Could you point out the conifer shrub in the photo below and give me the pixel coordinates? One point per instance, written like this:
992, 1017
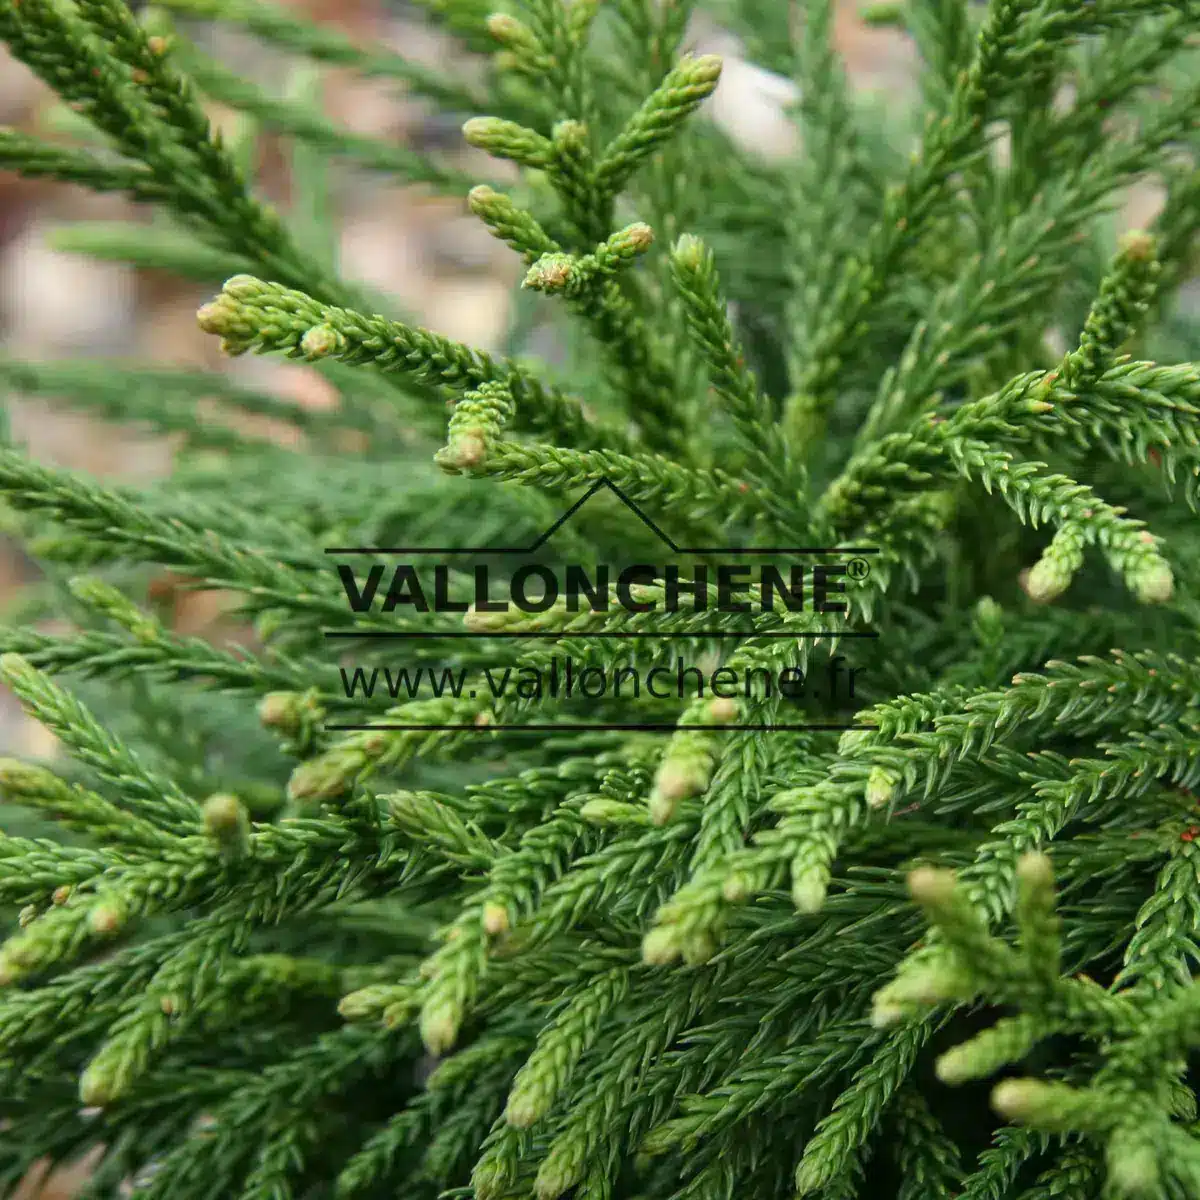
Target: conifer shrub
274, 937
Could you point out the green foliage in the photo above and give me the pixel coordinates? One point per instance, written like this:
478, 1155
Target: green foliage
268, 946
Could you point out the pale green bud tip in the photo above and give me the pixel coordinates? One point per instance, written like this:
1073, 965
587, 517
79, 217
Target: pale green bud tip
367, 1004
569, 133
808, 892
225, 817
704, 69
660, 947
1017, 1099
316, 780
106, 917
885, 1014
923, 985
881, 787
27, 915
96, 1086
405, 806
463, 452
483, 131
1138, 245
690, 252
495, 919
1035, 870
955, 1065
23, 956
103, 596
488, 1180
523, 1108
559, 1171
639, 237
321, 341
930, 886
481, 198
280, 710
737, 887
811, 1176
603, 811
1156, 584
439, 1028
550, 273
662, 807
18, 776
506, 29
91, 590
676, 780
1132, 1167
216, 315
723, 710
243, 287
987, 611
1046, 581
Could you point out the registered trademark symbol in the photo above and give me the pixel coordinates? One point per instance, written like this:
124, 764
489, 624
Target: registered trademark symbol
858, 568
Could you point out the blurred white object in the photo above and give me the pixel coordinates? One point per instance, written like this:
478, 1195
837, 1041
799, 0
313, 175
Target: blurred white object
50, 301
750, 103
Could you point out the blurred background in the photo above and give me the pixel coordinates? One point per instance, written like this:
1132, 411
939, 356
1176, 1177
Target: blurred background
437, 262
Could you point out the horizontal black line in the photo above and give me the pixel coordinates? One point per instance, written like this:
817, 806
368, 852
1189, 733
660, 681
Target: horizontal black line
481, 550
855, 550
551, 728
427, 550
412, 635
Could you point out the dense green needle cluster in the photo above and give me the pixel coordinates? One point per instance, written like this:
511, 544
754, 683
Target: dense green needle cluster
275, 938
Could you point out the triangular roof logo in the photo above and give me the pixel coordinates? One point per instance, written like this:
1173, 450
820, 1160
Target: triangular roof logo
599, 485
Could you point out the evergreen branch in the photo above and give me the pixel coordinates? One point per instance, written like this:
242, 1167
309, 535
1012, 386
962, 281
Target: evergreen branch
37, 159
152, 800
250, 314
687, 85
767, 456
651, 479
